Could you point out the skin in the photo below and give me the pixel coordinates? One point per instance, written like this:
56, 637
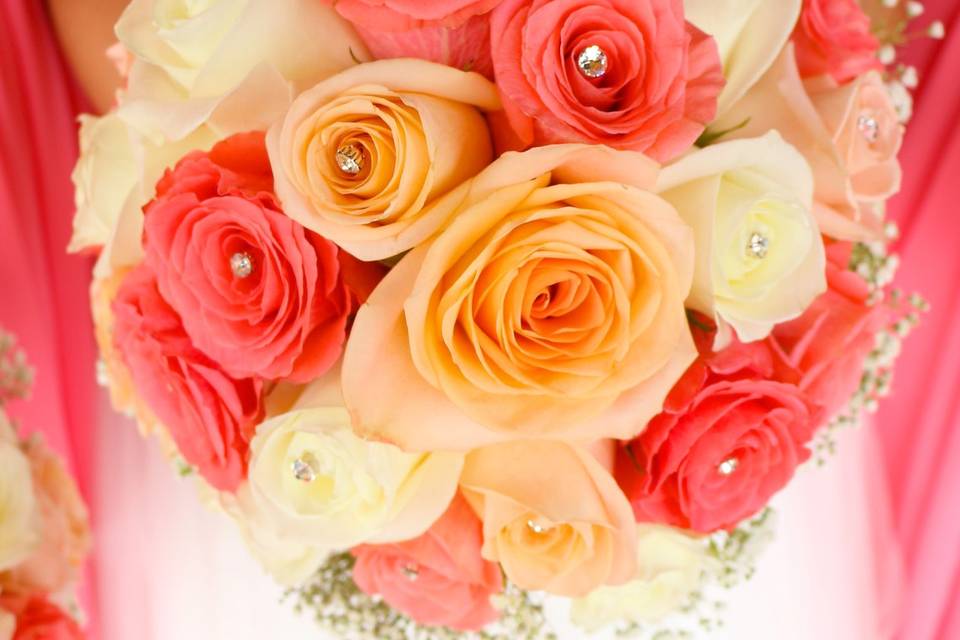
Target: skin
85, 31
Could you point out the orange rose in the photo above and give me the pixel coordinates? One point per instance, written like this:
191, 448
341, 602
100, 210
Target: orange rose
565, 542
849, 134
361, 156
551, 306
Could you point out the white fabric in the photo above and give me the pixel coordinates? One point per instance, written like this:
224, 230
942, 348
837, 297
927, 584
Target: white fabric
171, 570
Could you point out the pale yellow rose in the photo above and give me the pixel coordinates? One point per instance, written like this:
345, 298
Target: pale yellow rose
760, 258
550, 306
849, 134
207, 47
670, 565
288, 561
19, 515
749, 34
360, 157
64, 540
317, 483
553, 516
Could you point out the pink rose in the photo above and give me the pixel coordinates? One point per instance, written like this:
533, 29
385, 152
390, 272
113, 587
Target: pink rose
728, 439
210, 415
438, 579
452, 32
833, 37
823, 351
39, 619
257, 292
64, 528
652, 87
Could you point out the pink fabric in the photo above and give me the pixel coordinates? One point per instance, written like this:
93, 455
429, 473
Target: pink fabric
920, 423
43, 291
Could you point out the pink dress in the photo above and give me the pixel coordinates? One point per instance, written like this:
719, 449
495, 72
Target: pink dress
920, 423
43, 291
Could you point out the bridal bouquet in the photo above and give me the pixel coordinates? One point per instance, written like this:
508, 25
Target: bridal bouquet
44, 528
455, 304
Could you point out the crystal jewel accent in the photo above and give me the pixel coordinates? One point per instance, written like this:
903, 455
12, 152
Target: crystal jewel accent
410, 571
536, 527
241, 264
350, 159
869, 127
757, 245
592, 62
728, 466
304, 469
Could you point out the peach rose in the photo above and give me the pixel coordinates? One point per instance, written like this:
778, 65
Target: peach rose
565, 542
64, 527
361, 156
19, 511
849, 134
552, 305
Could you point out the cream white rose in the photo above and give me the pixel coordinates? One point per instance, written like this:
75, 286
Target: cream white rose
207, 47
289, 562
759, 255
19, 532
318, 483
750, 35
670, 564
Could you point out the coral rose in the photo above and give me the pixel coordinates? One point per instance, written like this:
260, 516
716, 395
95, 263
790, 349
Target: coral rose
850, 135
360, 157
438, 579
209, 414
565, 542
728, 439
833, 37
315, 482
552, 305
64, 528
617, 72
452, 32
258, 293
750, 35
759, 253
823, 351
36, 618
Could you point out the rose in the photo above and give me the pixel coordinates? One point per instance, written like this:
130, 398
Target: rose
409, 130
36, 618
455, 32
317, 483
258, 294
728, 439
655, 94
551, 305
670, 565
208, 414
833, 37
19, 515
823, 351
124, 153
289, 562
564, 542
207, 47
850, 135
759, 253
64, 528
437, 579
749, 34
